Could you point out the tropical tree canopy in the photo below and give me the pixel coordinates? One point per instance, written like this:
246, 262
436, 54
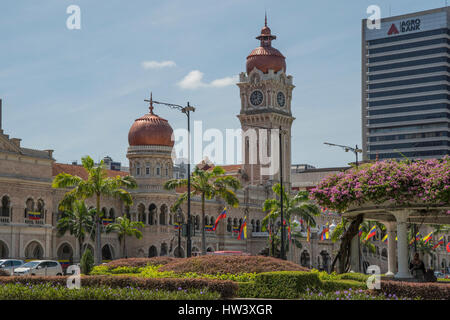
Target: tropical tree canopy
125, 227
207, 184
395, 182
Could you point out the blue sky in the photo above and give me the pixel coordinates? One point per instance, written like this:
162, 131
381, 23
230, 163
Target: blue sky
79, 91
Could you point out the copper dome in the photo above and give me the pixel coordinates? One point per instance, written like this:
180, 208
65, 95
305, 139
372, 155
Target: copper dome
266, 57
150, 130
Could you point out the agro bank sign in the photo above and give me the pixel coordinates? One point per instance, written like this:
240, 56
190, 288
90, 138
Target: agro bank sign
415, 24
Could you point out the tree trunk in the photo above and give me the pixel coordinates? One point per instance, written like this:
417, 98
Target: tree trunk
203, 226
80, 244
124, 247
98, 255
345, 247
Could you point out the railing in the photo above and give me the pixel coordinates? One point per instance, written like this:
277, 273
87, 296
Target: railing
36, 222
263, 234
4, 220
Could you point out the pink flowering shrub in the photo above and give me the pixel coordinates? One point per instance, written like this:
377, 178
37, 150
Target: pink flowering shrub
397, 183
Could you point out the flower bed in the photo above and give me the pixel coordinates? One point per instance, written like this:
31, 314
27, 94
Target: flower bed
427, 291
140, 262
51, 291
226, 289
230, 265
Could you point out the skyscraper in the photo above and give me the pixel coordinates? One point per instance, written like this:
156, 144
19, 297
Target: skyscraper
406, 86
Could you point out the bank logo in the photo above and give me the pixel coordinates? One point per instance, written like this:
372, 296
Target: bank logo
393, 30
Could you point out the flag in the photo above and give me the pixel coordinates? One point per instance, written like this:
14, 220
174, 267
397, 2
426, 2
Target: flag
325, 235
235, 229
243, 231
177, 226
385, 238
371, 233
360, 230
208, 227
417, 238
289, 232
105, 221
34, 215
448, 247
428, 237
221, 216
440, 242
308, 234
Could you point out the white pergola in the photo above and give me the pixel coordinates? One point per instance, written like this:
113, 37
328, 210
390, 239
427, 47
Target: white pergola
395, 218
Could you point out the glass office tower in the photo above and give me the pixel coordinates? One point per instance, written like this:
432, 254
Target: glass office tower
406, 86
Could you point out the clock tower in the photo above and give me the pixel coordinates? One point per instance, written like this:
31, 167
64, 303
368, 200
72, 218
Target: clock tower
266, 95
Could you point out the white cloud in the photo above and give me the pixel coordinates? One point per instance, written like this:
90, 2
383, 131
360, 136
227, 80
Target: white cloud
157, 64
194, 80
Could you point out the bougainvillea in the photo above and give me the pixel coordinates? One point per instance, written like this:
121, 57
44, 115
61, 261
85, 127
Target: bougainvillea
391, 182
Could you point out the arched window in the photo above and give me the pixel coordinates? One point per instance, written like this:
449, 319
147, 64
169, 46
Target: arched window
252, 223
258, 226
29, 206
206, 220
138, 169
197, 222
163, 251
41, 208
105, 213
34, 251
112, 214
127, 212
167, 171
158, 169
152, 214
229, 225
147, 169
141, 213
152, 252
162, 215
212, 221
5, 206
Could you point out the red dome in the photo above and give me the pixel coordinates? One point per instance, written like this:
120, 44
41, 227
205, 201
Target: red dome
266, 57
150, 130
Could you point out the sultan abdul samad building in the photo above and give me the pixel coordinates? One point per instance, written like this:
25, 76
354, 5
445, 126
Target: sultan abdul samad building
26, 176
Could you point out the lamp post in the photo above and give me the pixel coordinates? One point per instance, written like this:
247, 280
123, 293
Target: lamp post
186, 110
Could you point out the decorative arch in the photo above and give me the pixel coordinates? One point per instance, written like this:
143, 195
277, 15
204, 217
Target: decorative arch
178, 252
5, 205
163, 251
141, 213
152, 214
65, 254
305, 259
4, 250
29, 206
107, 252
162, 215
34, 250
152, 252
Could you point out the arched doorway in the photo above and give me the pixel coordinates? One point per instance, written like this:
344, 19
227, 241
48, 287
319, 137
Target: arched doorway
107, 253
151, 214
325, 260
4, 253
305, 259
34, 250
178, 252
65, 255
163, 251
210, 249
152, 252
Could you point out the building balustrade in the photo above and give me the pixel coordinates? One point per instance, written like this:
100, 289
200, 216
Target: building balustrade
4, 219
34, 222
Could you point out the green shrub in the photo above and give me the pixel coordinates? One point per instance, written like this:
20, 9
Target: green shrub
87, 261
140, 262
104, 269
338, 285
49, 291
354, 276
281, 284
226, 289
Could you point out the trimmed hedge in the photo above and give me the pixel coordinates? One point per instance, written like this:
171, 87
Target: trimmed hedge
281, 285
413, 290
230, 264
354, 276
226, 289
338, 285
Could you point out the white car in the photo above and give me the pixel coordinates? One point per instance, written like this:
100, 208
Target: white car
9, 265
40, 268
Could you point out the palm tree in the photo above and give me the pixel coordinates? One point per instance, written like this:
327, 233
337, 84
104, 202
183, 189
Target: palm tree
78, 221
298, 206
125, 227
97, 185
208, 184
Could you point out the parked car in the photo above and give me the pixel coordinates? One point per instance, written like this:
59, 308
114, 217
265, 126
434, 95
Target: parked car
9, 265
40, 268
439, 275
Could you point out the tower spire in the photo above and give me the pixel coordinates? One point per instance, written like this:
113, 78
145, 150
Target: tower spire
150, 102
265, 18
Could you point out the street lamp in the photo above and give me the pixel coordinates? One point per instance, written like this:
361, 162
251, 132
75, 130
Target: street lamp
186, 110
347, 149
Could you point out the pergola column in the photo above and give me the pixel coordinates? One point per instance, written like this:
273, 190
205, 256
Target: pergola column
402, 245
390, 228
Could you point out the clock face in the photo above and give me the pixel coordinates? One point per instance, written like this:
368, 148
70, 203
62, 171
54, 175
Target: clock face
256, 98
281, 99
